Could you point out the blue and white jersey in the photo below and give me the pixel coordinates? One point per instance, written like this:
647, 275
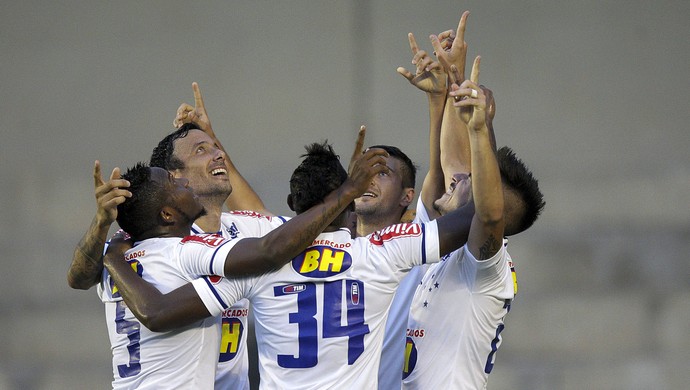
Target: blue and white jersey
185, 358
320, 318
233, 362
182, 362
455, 320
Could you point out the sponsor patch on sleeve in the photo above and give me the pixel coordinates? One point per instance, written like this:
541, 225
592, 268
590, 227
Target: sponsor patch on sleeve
209, 240
395, 231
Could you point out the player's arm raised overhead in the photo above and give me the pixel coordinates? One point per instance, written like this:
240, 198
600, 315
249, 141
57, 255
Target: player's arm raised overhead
243, 196
454, 146
87, 260
486, 232
431, 78
249, 256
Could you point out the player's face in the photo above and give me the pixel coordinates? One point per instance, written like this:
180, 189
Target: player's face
205, 165
386, 195
459, 193
182, 197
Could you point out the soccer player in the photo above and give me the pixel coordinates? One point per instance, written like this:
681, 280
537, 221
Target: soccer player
478, 284
320, 318
158, 215
193, 152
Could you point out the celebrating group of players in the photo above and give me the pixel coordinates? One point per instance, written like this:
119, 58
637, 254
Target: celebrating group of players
353, 292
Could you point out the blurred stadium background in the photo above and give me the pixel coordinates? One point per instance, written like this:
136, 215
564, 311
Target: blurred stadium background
593, 95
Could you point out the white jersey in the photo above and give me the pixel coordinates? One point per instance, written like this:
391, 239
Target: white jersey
393, 351
184, 358
319, 319
455, 321
233, 362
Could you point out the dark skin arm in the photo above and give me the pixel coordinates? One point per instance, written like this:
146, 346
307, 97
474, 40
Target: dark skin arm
250, 256
87, 262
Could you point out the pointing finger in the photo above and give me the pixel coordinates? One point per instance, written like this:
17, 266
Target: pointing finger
198, 100
474, 77
460, 36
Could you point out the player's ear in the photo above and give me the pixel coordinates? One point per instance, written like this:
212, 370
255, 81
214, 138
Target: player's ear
167, 215
407, 197
290, 202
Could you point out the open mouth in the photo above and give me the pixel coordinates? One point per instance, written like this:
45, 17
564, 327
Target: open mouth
369, 195
219, 172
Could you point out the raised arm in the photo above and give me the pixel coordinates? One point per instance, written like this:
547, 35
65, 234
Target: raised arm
243, 196
486, 232
87, 260
454, 142
162, 312
431, 78
257, 255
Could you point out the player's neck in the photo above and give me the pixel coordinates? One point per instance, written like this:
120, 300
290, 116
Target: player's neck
366, 226
210, 222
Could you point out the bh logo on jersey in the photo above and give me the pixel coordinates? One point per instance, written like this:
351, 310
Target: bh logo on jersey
322, 262
410, 357
231, 335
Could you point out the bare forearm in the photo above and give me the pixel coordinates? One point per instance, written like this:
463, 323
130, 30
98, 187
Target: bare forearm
258, 255
434, 183
455, 144
87, 260
487, 190
156, 311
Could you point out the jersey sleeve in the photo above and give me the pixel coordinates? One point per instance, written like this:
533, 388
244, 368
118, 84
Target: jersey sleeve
406, 244
249, 223
421, 216
493, 275
203, 254
218, 293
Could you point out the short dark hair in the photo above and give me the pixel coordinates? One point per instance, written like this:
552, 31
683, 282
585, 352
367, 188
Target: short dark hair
163, 155
520, 180
318, 175
139, 213
408, 171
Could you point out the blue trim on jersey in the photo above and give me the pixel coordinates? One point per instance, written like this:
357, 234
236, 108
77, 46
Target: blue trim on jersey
213, 258
215, 294
423, 243
281, 218
194, 231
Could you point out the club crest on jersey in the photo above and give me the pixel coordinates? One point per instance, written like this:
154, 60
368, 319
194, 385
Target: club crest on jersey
210, 240
322, 262
395, 231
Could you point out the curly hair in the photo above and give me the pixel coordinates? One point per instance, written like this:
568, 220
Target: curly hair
318, 175
138, 214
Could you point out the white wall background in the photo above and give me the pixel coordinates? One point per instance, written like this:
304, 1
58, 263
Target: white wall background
593, 95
